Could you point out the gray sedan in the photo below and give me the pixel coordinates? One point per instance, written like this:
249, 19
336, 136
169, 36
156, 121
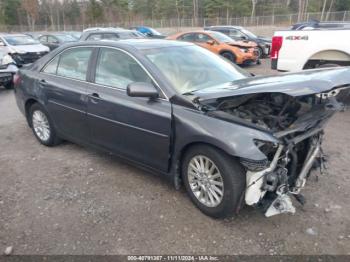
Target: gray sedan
177, 109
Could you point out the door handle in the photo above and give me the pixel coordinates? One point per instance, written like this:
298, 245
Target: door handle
95, 95
94, 98
43, 82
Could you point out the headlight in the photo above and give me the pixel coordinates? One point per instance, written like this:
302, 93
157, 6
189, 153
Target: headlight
7, 59
244, 50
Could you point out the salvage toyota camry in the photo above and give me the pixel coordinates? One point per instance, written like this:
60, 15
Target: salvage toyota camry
180, 110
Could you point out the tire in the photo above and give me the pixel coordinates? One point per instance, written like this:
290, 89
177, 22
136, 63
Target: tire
232, 178
260, 52
229, 56
9, 85
42, 126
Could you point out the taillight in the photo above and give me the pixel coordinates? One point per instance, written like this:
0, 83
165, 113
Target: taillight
16, 79
276, 46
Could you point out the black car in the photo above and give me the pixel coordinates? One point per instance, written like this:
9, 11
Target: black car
54, 40
240, 33
182, 111
110, 34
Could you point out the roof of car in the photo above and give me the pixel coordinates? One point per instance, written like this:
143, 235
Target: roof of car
140, 44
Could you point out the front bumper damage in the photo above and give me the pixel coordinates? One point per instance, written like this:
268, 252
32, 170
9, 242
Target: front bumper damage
272, 187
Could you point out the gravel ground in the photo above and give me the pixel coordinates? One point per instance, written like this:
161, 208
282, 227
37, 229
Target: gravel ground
74, 200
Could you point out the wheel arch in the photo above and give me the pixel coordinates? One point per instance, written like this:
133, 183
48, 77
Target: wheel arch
28, 104
227, 51
182, 152
328, 55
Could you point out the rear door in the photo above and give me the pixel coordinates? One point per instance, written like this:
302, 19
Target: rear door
63, 81
136, 128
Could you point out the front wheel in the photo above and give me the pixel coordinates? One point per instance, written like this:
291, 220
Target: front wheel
229, 56
214, 181
42, 126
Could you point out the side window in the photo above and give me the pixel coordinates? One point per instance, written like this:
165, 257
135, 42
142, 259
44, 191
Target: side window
116, 69
51, 67
202, 38
111, 36
235, 33
224, 31
94, 37
74, 63
187, 37
51, 39
43, 39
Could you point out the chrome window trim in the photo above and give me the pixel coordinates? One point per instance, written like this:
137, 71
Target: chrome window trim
115, 88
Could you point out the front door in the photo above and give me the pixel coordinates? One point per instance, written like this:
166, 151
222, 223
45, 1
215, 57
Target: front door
136, 128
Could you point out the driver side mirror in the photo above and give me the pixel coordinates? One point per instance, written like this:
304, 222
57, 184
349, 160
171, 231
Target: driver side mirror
244, 37
210, 42
142, 89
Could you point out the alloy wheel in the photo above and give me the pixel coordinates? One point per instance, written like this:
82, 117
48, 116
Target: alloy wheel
41, 125
205, 181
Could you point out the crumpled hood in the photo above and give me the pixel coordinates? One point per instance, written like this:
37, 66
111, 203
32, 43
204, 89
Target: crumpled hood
248, 44
294, 84
29, 48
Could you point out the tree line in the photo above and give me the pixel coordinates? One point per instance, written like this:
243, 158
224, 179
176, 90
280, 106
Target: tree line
53, 13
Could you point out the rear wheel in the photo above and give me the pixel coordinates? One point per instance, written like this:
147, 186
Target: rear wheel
42, 126
229, 56
214, 181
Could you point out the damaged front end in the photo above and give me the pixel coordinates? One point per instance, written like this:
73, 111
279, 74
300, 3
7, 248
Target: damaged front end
297, 123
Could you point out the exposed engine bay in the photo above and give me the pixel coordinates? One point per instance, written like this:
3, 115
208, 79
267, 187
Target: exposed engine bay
274, 112
297, 123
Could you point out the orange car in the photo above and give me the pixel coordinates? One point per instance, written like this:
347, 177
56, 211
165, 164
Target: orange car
238, 52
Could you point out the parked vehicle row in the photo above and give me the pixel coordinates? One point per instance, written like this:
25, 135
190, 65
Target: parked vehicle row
30, 46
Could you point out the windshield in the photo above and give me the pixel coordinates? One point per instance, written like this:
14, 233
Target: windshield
191, 68
65, 38
248, 33
21, 40
220, 36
